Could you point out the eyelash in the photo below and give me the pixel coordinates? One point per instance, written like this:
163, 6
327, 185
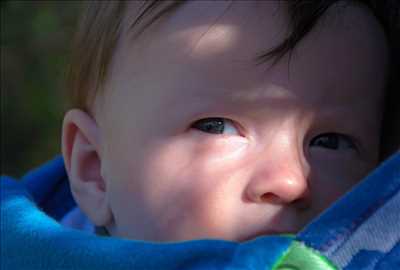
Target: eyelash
217, 126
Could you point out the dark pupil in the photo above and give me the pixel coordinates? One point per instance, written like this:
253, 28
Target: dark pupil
329, 141
210, 125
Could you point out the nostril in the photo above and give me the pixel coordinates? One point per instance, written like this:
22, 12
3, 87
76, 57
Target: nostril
270, 198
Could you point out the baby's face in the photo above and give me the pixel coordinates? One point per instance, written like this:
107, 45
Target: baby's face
199, 142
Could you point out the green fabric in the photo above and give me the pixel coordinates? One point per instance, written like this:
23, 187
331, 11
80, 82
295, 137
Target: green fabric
300, 257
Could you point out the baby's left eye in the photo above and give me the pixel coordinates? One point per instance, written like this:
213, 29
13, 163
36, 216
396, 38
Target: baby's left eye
216, 125
333, 141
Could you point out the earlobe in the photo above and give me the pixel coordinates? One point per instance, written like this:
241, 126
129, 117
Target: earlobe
81, 152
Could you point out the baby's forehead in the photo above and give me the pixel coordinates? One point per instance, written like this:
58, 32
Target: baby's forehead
180, 17
207, 27
214, 36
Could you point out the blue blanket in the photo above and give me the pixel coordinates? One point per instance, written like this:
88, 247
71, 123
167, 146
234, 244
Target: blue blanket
360, 231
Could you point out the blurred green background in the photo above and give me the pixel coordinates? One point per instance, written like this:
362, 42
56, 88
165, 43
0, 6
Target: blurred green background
35, 46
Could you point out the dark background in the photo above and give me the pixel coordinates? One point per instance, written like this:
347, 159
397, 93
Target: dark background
35, 46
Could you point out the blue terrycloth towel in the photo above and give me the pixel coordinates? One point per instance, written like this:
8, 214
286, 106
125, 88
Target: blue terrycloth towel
360, 231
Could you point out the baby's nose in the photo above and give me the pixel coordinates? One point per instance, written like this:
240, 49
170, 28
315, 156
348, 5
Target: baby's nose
282, 180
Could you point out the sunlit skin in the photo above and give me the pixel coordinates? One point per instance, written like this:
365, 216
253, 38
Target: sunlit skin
296, 135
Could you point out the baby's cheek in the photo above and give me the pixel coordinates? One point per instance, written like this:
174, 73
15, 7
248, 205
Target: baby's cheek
198, 187
179, 188
330, 178
196, 214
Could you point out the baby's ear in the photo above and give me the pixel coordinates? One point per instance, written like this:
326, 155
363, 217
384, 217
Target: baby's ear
81, 151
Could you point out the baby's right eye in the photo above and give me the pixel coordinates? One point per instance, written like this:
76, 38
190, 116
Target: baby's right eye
216, 125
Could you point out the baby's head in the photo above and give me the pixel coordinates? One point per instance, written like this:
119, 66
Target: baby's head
222, 119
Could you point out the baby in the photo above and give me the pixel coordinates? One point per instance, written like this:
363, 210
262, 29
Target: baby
228, 120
